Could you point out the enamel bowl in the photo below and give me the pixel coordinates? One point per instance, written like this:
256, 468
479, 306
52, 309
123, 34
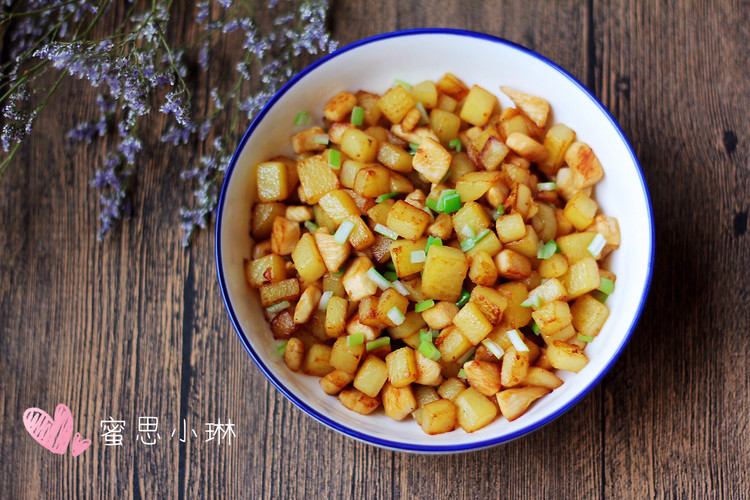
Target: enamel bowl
414, 56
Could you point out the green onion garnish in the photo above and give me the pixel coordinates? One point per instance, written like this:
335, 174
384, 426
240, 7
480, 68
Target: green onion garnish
465, 296
400, 288
606, 286
452, 203
547, 250
447, 174
468, 232
429, 350
432, 241
585, 338
546, 186
324, 300
466, 357
386, 231
533, 300
378, 279
311, 226
425, 336
358, 115
277, 308
390, 275
355, 339
343, 232
455, 144
321, 139
493, 347
515, 339
422, 112
334, 158
481, 235
375, 344
413, 146
281, 348
535, 328
431, 204
440, 207
395, 315
302, 118
402, 83
340, 272
424, 305
467, 245
418, 256
383, 197
390, 265
597, 245
461, 373
498, 212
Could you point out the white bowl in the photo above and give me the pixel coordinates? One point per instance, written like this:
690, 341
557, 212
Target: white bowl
413, 56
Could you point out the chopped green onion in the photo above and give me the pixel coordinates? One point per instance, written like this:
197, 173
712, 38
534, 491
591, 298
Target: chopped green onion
585, 338
546, 186
378, 279
425, 336
320, 139
277, 308
355, 339
385, 231
452, 203
465, 296
431, 204
429, 350
302, 118
343, 232
418, 256
461, 373
535, 329
466, 357
606, 286
441, 199
377, 343
498, 212
424, 305
339, 272
358, 115
467, 245
395, 315
468, 232
400, 288
455, 144
413, 147
422, 112
533, 300
432, 241
493, 347
597, 245
447, 174
547, 250
390, 275
515, 339
311, 226
402, 83
390, 265
334, 158
281, 348
324, 300
383, 197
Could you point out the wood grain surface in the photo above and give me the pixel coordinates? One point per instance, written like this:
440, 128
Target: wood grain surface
135, 326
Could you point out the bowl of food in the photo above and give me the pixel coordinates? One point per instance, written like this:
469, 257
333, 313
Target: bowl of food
430, 253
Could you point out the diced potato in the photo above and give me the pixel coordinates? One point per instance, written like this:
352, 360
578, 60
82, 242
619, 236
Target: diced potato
381, 248
491, 302
357, 284
510, 227
482, 270
610, 229
372, 181
261, 249
307, 303
394, 157
564, 356
359, 146
379, 213
478, 106
395, 103
451, 344
268, 269
298, 213
411, 325
335, 322
388, 300
440, 315
474, 410
400, 183
565, 334
550, 290
416, 136
344, 357
528, 246
416, 199
423, 395
263, 217
354, 326
513, 124
272, 181
369, 103
335, 284
339, 106
335, 381
516, 315
472, 324
451, 388
348, 172
446, 102
442, 227
410, 119
284, 236
542, 378
514, 402
428, 371
582, 277
407, 221
534, 280
336, 132
331, 251
304, 141
461, 164
439, 417
483, 376
552, 316
554, 267
574, 246
444, 273
536, 108
520, 200
431, 160
401, 366
371, 376
283, 325
580, 210
401, 250
358, 402
451, 85
323, 220
368, 312
273, 293
470, 216
316, 360
559, 137
515, 366
545, 222
512, 265
294, 353
339, 205
588, 315
587, 170
492, 153
445, 124
316, 178
473, 185
361, 237
398, 402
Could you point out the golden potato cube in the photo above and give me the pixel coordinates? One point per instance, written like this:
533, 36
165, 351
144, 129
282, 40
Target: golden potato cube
510, 227
470, 216
356, 283
445, 124
284, 236
268, 269
339, 205
345, 357
478, 106
305, 141
513, 124
331, 251
439, 417
298, 213
358, 402
359, 146
283, 325
610, 229
410, 119
521, 200
492, 154
335, 381
378, 214
401, 251
512, 265
369, 103
483, 376
336, 132
541, 377
564, 335
263, 217
339, 106
316, 178
482, 270
323, 220
273, 293
474, 410
354, 326
446, 102
588, 315
402, 367
526, 147
307, 304
515, 366
472, 324
574, 246
388, 300
432, 160
400, 183
559, 137
554, 267
294, 353
440, 315
272, 181
423, 395
411, 325
490, 302
334, 283
545, 222
348, 172
395, 103
461, 164
564, 356
549, 291
451, 85
515, 315
451, 344
372, 181
451, 388
528, 246
371, 376
442, 227
368, 312
587, 170
398, 402
444, 273
426, 93
552, 317
580, 210
394, 157
473, 185
335, 322
514, 402
316, 361
582, 277
536, 108
429, 372
407, 221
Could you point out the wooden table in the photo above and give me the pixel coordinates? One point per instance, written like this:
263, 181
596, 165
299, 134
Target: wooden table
135, 326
